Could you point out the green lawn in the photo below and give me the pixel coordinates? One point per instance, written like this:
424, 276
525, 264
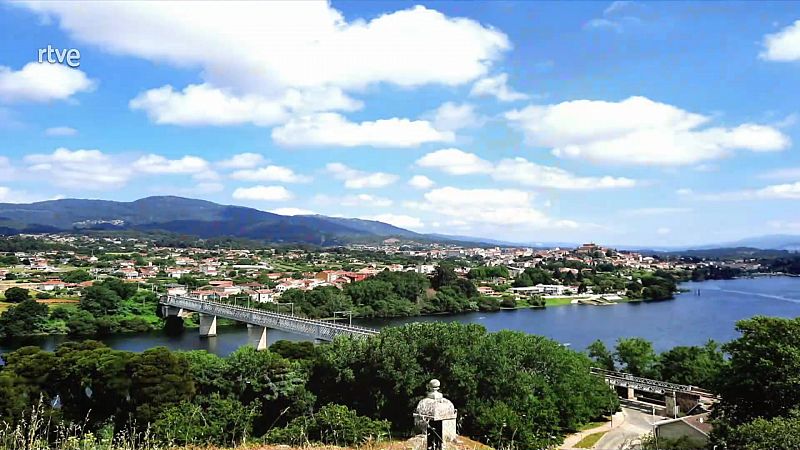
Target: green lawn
590, 440
558, 301
590, 425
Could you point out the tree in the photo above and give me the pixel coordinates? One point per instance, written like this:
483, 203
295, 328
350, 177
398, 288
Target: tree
123, 289
637, 357
762, 378
601, 356
26, 318
761, 434
159, 379
76, 276
100, 301
17, 294
696, 366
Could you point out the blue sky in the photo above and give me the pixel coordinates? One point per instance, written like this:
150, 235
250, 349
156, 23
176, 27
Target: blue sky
623, 123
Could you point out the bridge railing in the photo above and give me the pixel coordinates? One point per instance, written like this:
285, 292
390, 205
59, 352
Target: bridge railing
626, 377
191, 303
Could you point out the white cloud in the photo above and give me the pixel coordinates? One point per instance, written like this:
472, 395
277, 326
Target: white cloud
242, 161
421, 182
37, 82
517, 170
157, 164
61, 131
331, 129
663, 231
204, 104
524, 172
398, 220
784, 45
79, 169
495, 207
263, 193
497, 87
292, 211
788, 191
637, 130
365, 200
455, 162
356, 179
270, 173
267, 46
453, 116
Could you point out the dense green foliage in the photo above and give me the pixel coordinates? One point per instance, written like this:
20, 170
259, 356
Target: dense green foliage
16, 294
27, 317
510, 387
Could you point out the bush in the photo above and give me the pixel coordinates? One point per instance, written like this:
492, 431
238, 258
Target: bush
17, 295
331, 425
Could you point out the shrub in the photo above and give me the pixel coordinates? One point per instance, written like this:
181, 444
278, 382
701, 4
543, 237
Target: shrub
331, 425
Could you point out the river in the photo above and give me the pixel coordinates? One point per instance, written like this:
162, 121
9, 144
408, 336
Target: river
689, 319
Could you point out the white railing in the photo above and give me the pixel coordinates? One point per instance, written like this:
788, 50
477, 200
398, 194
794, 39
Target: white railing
285, 322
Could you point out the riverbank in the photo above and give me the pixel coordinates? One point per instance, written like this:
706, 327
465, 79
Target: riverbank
687, 320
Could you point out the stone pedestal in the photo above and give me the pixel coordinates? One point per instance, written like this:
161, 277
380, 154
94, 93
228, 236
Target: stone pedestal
208, 325
672, 406
257, 336
435, 417
631, 394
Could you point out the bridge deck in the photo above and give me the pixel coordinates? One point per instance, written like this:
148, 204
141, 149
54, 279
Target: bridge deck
310, 327
623, 379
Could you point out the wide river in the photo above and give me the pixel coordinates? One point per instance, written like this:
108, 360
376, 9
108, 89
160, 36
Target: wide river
707, 310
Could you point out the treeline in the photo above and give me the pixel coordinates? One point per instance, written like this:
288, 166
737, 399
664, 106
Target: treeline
109, 306
392, 294
756, 376
512, 390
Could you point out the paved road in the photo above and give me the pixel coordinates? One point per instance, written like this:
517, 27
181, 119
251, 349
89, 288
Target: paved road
638, 422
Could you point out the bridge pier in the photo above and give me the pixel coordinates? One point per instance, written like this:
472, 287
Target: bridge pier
672, 405
631, 394
208, 325
257, 336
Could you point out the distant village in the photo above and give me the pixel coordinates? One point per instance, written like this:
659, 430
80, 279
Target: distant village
263, 275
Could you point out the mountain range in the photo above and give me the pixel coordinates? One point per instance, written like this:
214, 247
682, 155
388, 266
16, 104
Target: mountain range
199, 218
206, 219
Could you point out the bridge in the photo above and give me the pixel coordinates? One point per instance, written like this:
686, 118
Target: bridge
676, 396
258, 321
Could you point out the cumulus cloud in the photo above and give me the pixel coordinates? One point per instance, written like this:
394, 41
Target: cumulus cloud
524, 172
37, 82
79, 169
784, 45
263, 46
454, 116
497, 87
421, 182
157, 164
331, 129
263, 193
495, 207
356, 179
270, 173
203, 104
517, 170
60, 132
637, 130
398, 220
455, 162
242, 161
292, 211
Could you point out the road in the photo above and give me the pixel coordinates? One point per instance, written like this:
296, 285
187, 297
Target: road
638, 422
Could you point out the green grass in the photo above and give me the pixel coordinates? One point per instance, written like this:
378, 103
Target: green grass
558, 301
590, 425
590, 440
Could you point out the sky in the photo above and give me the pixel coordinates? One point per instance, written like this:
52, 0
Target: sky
623, 122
